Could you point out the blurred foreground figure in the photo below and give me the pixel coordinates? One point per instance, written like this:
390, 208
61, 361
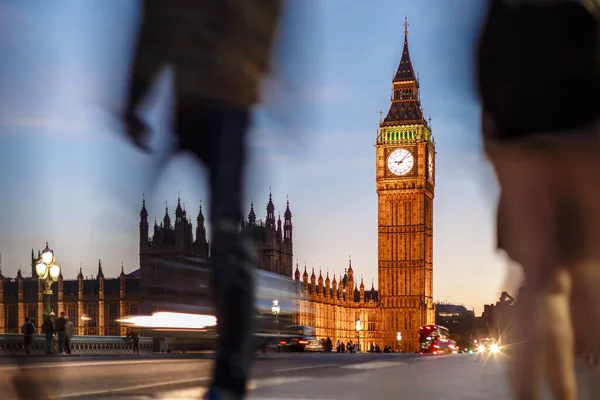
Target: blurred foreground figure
538, 78
219, 50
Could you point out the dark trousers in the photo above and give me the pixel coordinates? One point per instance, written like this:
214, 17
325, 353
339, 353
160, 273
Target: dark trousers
68, 345
136, 346
216, 134
27, 343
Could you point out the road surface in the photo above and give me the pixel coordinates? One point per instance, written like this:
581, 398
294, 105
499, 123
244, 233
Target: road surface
276, 376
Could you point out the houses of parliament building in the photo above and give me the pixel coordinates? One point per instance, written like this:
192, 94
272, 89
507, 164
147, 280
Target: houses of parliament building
405, 181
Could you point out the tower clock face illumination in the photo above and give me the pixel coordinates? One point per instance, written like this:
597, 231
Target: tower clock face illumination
400, 162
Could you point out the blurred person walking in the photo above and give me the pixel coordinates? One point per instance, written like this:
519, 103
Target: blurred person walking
537, 65
68, 334
219, 51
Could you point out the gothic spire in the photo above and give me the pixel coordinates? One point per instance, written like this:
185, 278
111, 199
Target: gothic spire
178, 210
200, 218
405, 70
270, 206
144, 211
100, 273
167, 219
252, 214
297, 272
287, 214
406, 103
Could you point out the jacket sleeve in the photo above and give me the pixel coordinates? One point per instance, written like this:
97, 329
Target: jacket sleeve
146, 64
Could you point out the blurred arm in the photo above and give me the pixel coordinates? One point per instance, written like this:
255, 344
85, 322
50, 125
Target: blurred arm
146, 64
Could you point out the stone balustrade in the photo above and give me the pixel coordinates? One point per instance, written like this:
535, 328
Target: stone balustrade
12, 343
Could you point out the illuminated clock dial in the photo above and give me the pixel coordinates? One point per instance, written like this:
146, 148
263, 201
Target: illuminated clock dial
400, 162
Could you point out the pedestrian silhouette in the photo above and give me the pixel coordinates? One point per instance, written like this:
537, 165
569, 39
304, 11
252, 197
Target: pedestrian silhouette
219, 51
537, 65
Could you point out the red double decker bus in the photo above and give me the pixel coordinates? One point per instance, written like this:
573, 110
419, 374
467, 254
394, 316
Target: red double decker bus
435, 339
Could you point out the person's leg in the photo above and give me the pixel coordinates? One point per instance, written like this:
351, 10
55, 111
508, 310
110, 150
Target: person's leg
219, 141
560, 344
584, 164
529, 232
61, 342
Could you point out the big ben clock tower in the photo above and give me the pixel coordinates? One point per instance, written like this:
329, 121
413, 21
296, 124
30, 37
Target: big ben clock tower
405, 185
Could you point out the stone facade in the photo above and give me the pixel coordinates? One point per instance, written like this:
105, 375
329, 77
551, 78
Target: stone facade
93, 304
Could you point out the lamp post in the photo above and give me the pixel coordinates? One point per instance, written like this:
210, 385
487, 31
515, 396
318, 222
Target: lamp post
275, 310
84, 320
358, 329
398, 338
48, 271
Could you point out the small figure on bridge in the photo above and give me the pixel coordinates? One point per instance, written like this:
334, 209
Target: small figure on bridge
135, 341
49, 330
60, 330
28, 330
68, 334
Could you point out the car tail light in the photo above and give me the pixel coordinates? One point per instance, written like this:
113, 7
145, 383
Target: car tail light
435, 346
282, 342
303, 341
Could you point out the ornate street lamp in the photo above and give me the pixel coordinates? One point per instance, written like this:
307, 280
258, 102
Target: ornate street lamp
358, 329
275, 310
48, 271
398, 338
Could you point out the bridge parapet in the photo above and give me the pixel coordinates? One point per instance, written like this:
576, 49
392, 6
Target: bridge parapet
13, 343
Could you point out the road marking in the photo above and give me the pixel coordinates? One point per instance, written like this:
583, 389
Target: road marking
93, 364
374, 365
434, 356
132, 388
275, 381
287, 398
306, 367
194, 393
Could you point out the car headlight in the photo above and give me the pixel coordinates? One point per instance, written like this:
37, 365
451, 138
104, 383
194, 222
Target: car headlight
481, 348
494, 348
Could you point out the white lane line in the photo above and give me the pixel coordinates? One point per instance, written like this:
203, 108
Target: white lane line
132, 388
50, 364
374, 365
252, 385
275, 381
195, 393
306, 367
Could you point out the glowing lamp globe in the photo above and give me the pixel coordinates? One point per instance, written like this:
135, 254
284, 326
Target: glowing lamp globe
54, 272
275, 307
47, 255
358, 326
40, 270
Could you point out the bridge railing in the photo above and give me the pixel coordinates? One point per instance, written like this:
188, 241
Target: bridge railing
13, 343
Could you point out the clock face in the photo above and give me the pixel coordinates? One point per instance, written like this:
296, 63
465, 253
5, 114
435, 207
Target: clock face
400, 162
430, 166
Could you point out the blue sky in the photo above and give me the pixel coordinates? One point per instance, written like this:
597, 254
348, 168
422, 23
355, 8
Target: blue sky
69, 178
